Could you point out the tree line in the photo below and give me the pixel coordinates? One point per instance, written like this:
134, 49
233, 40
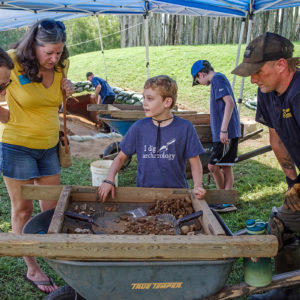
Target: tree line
82, 34
165, 29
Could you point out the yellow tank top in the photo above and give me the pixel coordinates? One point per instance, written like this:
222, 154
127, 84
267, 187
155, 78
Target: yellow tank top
34, 121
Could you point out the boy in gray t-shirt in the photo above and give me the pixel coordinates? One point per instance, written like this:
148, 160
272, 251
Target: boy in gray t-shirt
162, 142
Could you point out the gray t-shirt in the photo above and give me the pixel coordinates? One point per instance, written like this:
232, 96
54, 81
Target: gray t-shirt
164, 168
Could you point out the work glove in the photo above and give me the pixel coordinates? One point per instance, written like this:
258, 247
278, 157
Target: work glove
292, 198
290, 182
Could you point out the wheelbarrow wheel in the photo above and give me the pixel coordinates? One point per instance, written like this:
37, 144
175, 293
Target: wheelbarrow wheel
64, 293
113, 148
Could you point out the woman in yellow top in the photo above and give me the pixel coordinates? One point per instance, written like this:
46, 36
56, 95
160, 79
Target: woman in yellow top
28, 148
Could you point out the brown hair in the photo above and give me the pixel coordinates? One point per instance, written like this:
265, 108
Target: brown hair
293, 63
206, 67
166, 86
5, 60
38, 36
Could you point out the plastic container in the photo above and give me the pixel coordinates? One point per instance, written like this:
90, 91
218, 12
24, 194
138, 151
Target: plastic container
99, 169
257, 270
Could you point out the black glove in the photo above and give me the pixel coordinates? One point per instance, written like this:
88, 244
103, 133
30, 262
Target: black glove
290, 182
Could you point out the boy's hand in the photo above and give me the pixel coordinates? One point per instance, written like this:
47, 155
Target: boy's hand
199, 192
104, 189
224, 137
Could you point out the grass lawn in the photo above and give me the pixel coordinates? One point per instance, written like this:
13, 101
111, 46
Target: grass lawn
126, 68
259, 181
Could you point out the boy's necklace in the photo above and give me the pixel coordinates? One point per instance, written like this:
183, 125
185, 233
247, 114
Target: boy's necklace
158, 132
160, 121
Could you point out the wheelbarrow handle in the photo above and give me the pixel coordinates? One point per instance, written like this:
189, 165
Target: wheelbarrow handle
190, 217
80, 217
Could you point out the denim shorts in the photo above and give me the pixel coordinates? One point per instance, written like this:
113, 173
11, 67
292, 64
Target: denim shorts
22, 163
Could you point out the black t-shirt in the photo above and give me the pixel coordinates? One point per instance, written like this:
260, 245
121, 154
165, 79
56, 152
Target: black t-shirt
283, 114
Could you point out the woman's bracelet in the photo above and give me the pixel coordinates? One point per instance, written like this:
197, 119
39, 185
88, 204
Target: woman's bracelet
224, 131
109, 182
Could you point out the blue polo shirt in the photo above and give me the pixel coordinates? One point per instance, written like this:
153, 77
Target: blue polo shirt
106, 90
283, 114
164, 168
220, 87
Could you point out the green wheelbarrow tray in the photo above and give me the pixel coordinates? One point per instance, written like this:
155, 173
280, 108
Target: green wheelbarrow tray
96, 280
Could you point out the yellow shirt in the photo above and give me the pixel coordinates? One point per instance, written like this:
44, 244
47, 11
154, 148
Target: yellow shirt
34, 121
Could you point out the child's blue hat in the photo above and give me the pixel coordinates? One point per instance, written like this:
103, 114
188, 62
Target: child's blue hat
196, 67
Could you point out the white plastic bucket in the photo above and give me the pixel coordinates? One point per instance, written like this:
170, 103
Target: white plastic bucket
99, 169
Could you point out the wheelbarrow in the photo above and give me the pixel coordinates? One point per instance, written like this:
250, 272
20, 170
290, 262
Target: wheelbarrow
95, 280
200, 279
139, 266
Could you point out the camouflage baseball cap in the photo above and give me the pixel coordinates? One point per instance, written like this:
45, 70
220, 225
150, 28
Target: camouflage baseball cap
266, 47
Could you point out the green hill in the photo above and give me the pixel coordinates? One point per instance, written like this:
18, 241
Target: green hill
126, 68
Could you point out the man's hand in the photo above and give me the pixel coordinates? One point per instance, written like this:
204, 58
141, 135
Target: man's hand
292, 198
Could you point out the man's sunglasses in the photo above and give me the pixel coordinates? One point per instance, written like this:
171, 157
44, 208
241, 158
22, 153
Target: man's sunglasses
5, 85
50, 24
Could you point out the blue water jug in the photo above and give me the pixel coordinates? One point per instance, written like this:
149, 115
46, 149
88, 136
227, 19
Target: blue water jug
257, 271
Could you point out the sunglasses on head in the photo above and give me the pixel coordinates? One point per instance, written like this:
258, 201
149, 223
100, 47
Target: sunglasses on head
51, 24
5, 85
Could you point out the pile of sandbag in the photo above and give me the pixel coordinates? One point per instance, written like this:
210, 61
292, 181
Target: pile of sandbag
122, 96
81, 86
251, 103
127, 97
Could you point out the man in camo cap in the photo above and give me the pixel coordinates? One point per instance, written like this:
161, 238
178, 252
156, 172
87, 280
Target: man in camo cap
269, 61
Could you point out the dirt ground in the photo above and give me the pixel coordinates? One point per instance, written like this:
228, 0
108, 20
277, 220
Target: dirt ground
91, 149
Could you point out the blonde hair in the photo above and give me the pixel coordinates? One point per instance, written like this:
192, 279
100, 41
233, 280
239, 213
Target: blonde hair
166, 86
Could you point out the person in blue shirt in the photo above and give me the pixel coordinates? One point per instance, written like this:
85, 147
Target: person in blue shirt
224, 121
269, 61
162, 142
103, 93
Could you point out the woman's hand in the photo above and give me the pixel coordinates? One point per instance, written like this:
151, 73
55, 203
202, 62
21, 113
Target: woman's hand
104, 189
199, 192
67, 86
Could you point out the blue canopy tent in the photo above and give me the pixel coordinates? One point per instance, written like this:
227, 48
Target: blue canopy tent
14, 14
62, 9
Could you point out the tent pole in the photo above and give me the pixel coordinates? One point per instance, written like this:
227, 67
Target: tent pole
147, 44
101, 46
240, 100
147, 38
239, 50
